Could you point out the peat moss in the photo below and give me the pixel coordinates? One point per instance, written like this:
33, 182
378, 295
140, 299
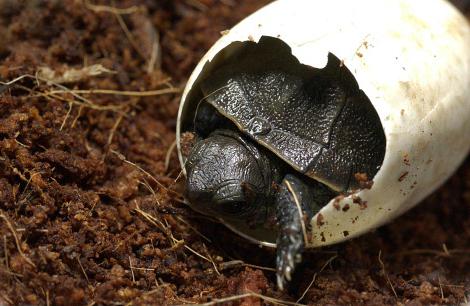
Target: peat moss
90, 211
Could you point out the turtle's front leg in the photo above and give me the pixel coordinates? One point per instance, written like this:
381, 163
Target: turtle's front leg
296, 204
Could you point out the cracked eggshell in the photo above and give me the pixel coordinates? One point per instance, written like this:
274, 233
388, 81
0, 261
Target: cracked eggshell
412, 59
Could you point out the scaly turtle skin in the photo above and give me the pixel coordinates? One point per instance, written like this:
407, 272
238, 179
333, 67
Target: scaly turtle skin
278, 140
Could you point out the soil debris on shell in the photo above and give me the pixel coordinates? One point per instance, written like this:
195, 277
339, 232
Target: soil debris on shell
188, 139
90, 214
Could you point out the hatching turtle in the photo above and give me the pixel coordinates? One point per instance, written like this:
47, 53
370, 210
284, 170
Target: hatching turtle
275, 141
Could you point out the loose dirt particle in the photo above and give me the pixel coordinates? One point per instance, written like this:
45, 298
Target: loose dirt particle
363, 180
357, 200
320, 220
402, 177
188, 140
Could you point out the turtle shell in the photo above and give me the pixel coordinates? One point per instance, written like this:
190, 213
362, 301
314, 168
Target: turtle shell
316, 120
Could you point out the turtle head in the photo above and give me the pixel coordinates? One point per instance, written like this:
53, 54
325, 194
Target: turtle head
227, 176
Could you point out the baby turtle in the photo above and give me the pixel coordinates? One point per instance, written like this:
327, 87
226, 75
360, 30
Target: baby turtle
277, 140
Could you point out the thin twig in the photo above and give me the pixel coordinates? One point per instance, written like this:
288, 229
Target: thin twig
6, 298
79, 113
180, 175
72, 75
440, 286
148, 93
196, 253
123, 158
22, 144
155, 55
175, 241
154, 221
18, 172
249, 294
114, 108
315, 277
64, 89
147, 185
211, 260
129, 36
17, 241
7, 263
132, 269
259, 267
168, 155
66, 116
29, 181
113, 129
109, 9
446, 250
46, 295
143, 269
236, 263
450, 285
386, 274
15, 80
83, 270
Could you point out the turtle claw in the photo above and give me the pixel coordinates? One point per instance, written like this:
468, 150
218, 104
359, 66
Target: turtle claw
287, 273
280, 282
289, 254
290, 242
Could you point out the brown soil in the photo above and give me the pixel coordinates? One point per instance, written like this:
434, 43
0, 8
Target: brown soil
89, 210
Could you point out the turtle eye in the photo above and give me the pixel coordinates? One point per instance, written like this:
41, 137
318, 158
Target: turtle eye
232, 208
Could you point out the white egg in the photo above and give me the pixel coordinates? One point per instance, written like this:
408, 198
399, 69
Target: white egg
412, 60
